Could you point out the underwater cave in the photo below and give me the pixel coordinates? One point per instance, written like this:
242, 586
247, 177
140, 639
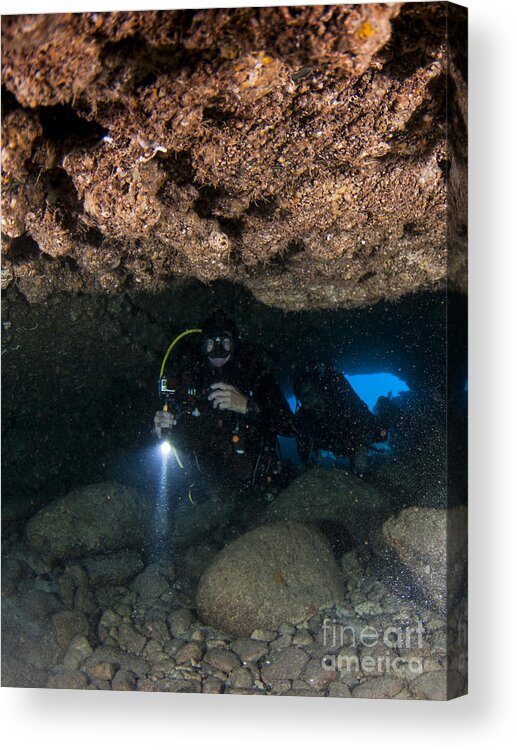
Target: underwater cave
295, 173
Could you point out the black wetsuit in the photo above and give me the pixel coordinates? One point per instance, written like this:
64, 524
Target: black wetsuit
229, 446
340, 423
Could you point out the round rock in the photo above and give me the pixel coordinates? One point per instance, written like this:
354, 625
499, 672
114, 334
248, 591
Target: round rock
98, 518
275, 574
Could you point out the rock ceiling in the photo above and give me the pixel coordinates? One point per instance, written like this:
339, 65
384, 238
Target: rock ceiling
301, 151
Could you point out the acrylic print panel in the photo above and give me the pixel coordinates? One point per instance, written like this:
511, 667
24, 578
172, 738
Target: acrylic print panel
234, 351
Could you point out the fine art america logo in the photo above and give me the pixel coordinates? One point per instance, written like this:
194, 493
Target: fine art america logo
395, 640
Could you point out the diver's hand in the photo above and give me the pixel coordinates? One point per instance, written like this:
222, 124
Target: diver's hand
226, 396
163, 420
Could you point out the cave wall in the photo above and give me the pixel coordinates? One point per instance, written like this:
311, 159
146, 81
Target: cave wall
299, 151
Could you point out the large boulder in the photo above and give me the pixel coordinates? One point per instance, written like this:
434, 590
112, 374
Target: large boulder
430, 546
95, 519
332, 499
278, 573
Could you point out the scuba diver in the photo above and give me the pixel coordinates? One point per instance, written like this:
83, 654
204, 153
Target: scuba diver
331, 417
225, 410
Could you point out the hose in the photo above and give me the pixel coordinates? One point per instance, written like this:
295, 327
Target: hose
173, 344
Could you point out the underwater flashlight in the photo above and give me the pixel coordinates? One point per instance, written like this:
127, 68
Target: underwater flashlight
165, 447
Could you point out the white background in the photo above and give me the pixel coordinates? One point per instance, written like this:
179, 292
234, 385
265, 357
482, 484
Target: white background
486, 718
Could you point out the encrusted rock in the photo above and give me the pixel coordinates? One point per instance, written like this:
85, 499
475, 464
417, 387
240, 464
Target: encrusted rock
431, 545
273, 574
89, 520
273, 160
339, 497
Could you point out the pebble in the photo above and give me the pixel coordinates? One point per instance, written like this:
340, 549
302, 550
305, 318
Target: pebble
222, 660
391, 604
154, 652
317, 677
191, 652
241, 678
84, 600
356, 598
66, 587
103, 671
249, 650
212, 685
165, 667
180, 621
155, 627
124, 680
150, 584
109, 619
130, 639
284, 665
350, 679
157, 630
